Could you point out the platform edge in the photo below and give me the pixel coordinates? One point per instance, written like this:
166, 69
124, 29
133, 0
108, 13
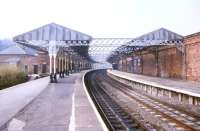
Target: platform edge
93, 105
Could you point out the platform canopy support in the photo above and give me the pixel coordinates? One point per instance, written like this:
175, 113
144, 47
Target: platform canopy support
53, 50
151, 42
60, 43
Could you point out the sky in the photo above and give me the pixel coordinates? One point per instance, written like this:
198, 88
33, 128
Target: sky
101, 18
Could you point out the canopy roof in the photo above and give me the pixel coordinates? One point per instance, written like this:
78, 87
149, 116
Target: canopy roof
160, 34
52, 31
101, 48
64, 37
155, 38
159, 37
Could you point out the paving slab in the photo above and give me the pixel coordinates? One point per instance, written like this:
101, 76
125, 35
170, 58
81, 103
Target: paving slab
15, 98
61, 106
186, 87
84, 114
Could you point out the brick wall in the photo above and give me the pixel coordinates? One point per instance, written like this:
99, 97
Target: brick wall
169, 61
30, 61
129, 64
137, 64
120, 65
172, 63
149, 64
192, 56
124, 64
35, 60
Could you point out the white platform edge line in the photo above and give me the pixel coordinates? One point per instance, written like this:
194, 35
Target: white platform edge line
93, 106
156, 85
72, 124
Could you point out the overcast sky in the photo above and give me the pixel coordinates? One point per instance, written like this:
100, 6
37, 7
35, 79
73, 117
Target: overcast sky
101, 18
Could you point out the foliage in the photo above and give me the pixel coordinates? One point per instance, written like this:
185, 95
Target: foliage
10, 76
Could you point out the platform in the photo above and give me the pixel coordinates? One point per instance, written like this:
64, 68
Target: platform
189, 88
15, 98
58, 106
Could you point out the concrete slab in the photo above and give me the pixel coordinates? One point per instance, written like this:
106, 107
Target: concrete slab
185, 87
60, 107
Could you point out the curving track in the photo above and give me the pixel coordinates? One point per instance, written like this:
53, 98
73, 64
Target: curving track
115, 117
118, 119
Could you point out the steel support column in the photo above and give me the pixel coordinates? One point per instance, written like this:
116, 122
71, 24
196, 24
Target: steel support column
50, 68
52, 60
59, 66
66, 70
67, 65
54, 69
63, 69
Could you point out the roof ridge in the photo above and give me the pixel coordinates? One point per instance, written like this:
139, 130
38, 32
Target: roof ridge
56, 25
28, 48
158, 30
170, 31
21, 48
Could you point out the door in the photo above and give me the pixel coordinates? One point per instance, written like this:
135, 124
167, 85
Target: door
44, 68
35, 69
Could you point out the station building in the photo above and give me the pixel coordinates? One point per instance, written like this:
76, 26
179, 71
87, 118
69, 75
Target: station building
24, 58
161, 53
192, 57
50, 49
53, 48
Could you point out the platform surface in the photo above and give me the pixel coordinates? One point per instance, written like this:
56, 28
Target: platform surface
187, 87
15, 98
60, 107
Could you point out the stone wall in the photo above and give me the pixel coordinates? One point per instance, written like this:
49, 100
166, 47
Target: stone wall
192, 57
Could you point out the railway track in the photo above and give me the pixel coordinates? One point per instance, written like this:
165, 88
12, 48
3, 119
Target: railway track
178, 119
115, 117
